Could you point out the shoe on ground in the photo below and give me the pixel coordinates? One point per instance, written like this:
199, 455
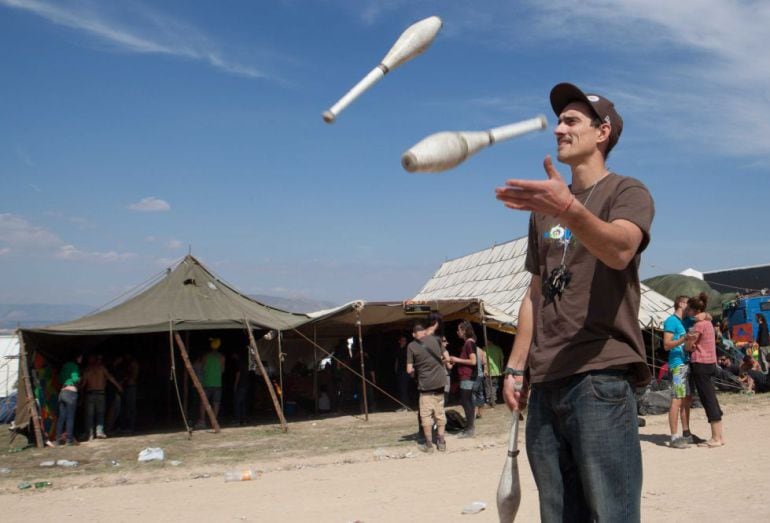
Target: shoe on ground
467, 434
101, 435
199, 426
679, 443
441, 445
693, 439
425, 447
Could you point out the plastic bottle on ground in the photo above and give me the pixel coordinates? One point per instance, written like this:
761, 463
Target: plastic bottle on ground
43, 484
240, 475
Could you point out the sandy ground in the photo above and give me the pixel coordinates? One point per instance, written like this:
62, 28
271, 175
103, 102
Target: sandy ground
401, 484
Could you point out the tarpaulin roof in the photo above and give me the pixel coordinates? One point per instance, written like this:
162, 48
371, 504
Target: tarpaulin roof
190, 297
497, 277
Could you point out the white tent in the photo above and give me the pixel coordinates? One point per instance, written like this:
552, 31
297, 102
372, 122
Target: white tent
9, 364
497, 277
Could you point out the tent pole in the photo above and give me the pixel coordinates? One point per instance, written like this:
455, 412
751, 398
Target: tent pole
363, 369
34, 415
280, 369
196, 382
255, 351
315, 371
652, 347
186, 381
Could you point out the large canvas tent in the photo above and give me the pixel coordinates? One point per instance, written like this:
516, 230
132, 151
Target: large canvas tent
187, 298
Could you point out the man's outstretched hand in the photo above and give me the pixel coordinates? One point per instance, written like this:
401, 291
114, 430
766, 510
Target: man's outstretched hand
550, 197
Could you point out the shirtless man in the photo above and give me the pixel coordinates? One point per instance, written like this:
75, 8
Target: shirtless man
95, 378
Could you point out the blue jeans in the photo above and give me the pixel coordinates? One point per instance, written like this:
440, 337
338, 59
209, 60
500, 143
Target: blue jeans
583, 448
65, 425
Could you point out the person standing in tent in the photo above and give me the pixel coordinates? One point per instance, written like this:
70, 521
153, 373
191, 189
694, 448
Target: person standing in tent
578, 342
467, 371
69, 377
495, 369
95, 377
674, 338
213, 365
402, 378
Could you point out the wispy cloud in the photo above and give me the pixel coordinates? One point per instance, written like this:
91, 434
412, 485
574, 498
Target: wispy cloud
697, 71
15, 231
151, 32
150, 204
72, 253
174, 245
20, 237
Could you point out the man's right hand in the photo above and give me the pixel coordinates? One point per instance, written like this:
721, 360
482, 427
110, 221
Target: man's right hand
516, 392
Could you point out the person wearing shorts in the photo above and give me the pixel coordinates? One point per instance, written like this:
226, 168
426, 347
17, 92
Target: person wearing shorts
425, 356
674, 337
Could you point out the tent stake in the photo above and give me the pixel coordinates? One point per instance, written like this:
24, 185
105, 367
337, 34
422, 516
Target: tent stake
196, 382
255, 351
36, 421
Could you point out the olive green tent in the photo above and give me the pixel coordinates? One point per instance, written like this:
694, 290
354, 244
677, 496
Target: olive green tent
187, 298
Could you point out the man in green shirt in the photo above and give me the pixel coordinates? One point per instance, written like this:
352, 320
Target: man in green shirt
213, 365
495, 366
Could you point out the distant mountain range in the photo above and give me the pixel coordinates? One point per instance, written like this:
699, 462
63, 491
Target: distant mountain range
40, 314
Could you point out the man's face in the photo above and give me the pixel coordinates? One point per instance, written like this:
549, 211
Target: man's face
419, 334
681, 305
576, 138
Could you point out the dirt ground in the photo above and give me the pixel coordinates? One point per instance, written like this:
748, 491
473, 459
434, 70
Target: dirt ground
346, 469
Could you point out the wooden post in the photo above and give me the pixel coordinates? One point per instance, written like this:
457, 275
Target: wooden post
186, 381
255, 351
280, 370
31, 401
315, 371
196, 382
363, 369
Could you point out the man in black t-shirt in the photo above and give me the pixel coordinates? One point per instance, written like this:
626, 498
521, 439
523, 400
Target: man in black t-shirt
429, 360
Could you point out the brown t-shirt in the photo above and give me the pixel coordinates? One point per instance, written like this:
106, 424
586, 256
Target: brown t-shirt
594, 324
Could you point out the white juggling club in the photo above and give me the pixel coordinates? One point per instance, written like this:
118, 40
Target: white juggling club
412, 42
441, 151
509, 489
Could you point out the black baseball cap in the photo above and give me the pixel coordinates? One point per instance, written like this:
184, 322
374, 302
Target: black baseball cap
564, 93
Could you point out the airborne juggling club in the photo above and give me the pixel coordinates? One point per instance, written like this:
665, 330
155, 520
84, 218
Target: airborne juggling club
412, 42
441, 151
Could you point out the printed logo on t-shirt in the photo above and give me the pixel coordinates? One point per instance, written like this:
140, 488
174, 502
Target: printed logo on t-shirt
558, 233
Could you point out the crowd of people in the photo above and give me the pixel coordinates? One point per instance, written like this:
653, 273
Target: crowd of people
105, 393
700, 353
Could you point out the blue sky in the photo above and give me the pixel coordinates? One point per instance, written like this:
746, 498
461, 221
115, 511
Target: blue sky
132, 131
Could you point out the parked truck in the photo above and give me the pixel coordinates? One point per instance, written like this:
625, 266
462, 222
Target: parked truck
741, 314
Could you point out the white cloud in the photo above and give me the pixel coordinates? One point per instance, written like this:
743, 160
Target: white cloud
151, 33
18, 232
174, 244
72, 253
150, 204
22, 237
